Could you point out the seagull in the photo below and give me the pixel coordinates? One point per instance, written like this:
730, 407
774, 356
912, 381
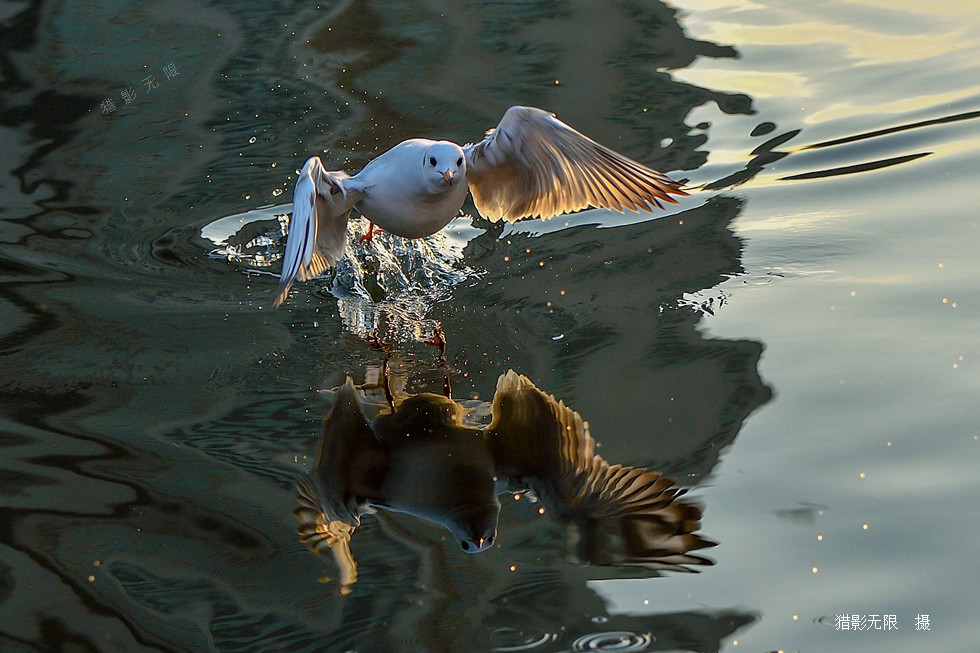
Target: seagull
532, 165
427, 455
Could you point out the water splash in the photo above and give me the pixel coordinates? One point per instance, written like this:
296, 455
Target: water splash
385, 287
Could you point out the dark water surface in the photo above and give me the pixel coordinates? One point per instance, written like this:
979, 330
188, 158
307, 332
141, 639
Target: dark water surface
797, 343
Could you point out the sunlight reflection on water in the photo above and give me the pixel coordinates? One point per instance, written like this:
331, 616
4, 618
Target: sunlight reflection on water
799, 334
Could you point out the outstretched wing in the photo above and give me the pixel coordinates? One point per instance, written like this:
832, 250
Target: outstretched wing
616, 514
534, 165
333, 495
318, 226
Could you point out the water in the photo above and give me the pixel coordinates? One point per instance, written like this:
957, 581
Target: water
796, 343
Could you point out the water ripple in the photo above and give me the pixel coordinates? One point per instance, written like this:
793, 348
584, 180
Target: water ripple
618, 640
512, 639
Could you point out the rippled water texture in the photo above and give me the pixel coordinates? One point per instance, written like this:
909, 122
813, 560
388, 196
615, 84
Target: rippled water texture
796, 343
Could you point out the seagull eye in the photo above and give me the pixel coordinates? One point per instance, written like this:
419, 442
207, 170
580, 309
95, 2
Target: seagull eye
432, 161
459, 162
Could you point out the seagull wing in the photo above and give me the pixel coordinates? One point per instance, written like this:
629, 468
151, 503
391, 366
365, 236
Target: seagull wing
537, 440
534, 165
620, 514
318, 226
546, 443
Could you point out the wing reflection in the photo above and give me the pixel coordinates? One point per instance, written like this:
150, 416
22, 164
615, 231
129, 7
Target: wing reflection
423, 455
613, 514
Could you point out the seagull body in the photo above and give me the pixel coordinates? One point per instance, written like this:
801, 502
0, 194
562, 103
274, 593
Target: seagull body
531, 165
408, 199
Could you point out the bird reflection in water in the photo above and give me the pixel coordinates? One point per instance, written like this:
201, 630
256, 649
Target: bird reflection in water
427, 455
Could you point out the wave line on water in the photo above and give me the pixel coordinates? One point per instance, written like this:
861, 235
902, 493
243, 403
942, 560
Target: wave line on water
860, 167
969, 115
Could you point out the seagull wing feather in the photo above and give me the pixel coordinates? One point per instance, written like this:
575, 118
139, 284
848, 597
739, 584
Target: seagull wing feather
318, 225
534, 165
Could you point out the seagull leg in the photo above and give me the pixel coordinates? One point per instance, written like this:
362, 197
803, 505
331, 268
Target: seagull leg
386, 380
366, 238
438, 340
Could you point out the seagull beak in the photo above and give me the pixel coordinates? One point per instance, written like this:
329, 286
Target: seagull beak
448, 176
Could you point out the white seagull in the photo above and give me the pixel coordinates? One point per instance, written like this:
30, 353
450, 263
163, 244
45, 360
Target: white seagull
531, 165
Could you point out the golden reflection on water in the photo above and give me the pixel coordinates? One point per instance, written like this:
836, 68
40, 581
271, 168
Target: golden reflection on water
938, 36
845, 109
947, 7
728, 76
864, 46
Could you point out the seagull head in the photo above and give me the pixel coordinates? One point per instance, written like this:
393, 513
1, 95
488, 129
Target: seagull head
443, 165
